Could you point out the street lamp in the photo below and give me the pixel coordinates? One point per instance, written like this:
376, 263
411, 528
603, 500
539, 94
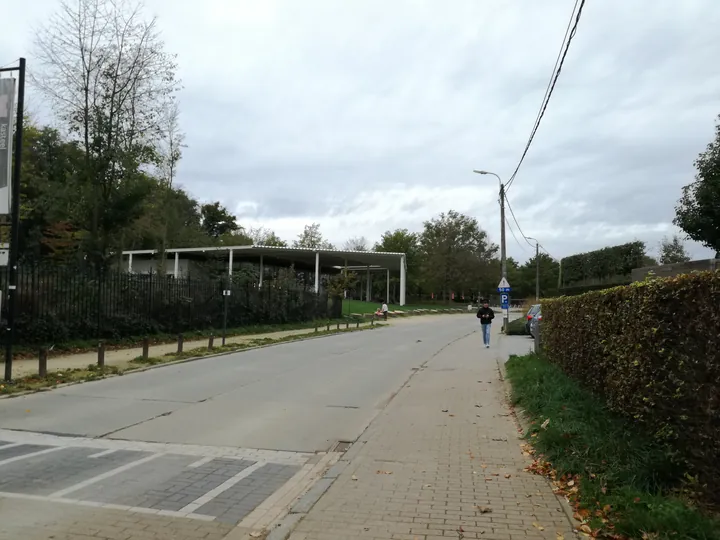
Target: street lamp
537, 267
503, 258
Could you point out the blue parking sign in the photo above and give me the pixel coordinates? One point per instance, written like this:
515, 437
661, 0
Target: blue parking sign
504, 301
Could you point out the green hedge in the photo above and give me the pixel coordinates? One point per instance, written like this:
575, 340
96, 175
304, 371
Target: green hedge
610, 264
652, 351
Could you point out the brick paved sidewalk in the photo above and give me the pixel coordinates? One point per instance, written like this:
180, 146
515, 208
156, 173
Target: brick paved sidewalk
442, 461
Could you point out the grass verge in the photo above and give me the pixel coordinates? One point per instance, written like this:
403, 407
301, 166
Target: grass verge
89, 345
358, 306
92, 372
621, 482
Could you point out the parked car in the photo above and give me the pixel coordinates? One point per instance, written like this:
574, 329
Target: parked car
537, 318
530, 314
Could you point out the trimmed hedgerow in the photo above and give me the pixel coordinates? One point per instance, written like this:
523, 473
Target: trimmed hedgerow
651, 350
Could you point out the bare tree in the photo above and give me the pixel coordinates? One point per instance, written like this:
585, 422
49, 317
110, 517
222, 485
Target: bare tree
262, 236
111, 82
356, 244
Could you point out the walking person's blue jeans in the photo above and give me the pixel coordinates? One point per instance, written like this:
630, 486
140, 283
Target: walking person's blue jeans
486, 333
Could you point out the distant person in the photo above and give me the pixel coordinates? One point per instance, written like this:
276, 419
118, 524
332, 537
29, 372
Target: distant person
384, 310
486, 315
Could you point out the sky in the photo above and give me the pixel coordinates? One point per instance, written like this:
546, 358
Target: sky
367, 116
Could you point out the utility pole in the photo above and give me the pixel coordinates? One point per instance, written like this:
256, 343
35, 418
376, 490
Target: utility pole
503, 252
537, 267
537, 271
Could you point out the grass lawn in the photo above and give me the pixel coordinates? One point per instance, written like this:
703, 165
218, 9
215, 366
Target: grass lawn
357, 306
610, 469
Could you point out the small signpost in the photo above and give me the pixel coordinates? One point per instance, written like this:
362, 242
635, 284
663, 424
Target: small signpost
504, 290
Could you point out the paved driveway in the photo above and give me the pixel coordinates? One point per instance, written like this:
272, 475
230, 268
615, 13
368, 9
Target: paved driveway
215, 442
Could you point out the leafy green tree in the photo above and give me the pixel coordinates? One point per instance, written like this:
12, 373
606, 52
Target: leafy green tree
400, 241
455, 253
672, 250
312, 238
698, 211
549, 273
217, 221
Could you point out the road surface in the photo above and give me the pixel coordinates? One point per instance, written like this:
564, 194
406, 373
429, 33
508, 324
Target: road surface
210, 439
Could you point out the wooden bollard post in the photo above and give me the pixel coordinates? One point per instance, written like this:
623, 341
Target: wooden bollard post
357, 324
316, 326
180, 343
347, 325
101, 354
42, 367
328, 327
338, 326
211, 342
372, 321
146, 348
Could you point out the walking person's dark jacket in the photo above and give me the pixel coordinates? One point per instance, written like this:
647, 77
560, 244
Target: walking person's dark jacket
486, 315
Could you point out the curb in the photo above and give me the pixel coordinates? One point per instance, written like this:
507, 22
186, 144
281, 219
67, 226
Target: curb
192, 359
523, 424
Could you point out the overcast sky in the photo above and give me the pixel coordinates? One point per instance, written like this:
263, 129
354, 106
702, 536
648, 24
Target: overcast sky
370, 115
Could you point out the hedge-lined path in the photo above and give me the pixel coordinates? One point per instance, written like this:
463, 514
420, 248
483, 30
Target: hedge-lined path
442, 461
122, 358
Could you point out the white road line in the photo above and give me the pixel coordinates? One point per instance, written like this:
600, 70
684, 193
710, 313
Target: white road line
11, 445
121, 507
31, 454
201, 462
227, 484
103, 453
103, 476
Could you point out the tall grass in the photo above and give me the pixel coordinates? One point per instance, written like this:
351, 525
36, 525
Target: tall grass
620, 465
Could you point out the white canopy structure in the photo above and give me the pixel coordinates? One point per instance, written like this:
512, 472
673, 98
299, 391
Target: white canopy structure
311, 259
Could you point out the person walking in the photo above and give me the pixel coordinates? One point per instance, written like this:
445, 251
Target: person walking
486, 315
384, 310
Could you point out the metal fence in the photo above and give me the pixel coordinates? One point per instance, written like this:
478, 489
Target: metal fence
63, 304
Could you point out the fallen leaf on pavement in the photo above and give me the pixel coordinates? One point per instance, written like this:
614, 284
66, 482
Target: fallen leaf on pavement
508, 475
559, 536
538, 527
445, 410
255, 534
484, 509
585, 529
383, 472
571, 483
353, 477
484, 466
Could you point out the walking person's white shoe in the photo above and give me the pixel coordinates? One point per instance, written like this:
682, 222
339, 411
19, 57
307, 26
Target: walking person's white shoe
487, 345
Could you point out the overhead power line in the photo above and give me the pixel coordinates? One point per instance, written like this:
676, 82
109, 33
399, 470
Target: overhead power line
512, 213
515, 237
548, 92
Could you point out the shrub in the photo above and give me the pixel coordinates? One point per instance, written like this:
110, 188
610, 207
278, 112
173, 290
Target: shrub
652, 351
517, 327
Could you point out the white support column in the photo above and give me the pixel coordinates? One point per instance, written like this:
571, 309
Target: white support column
230, 263
387, 284
368, 286
130, 263
317, 271
402, 280
176, 271
262, 272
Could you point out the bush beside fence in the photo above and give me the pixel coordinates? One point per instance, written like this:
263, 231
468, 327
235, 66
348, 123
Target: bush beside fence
58, 305
652, 351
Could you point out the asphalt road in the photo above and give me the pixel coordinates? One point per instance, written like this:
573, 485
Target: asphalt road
299, 397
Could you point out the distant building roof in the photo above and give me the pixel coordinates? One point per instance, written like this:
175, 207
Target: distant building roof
286, 256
